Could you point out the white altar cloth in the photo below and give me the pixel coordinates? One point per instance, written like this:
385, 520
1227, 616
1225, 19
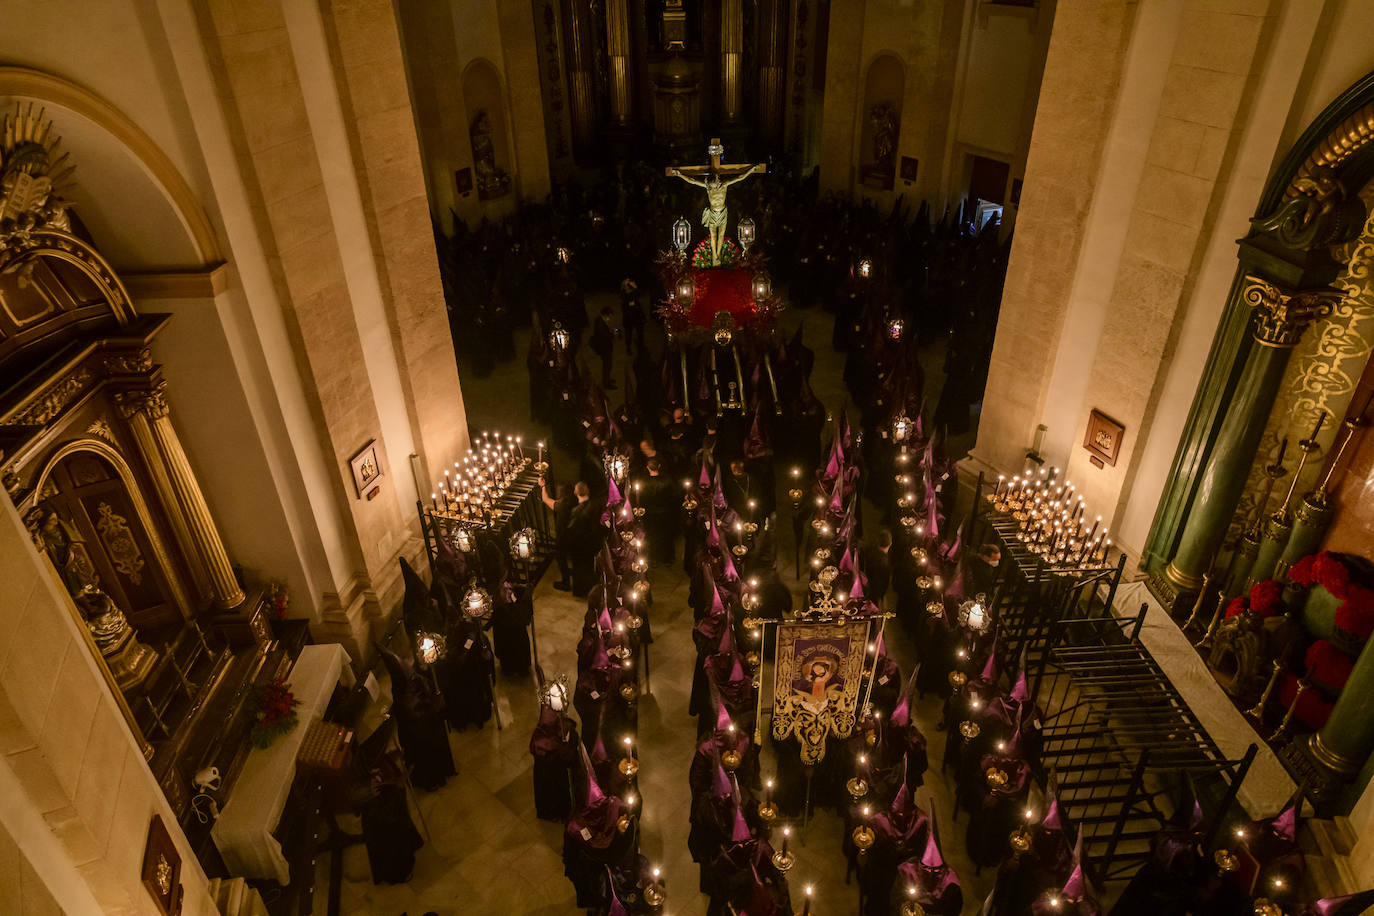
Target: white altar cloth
1268, 786
243, 833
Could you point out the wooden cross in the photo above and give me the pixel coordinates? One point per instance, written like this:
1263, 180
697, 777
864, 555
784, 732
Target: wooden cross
715, 168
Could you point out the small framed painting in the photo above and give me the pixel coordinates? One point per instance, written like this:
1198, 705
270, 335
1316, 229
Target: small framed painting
462, 180
161, 873
1103, 439
366, 468
909, 166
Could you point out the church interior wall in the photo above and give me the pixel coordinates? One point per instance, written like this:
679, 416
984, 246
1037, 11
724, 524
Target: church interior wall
65, 742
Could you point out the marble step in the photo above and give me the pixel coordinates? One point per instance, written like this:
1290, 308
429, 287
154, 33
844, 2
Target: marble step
234, 897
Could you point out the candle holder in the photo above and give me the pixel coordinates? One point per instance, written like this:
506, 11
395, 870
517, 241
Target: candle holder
957, 679
970, 729
731, 760
1020, 840
784, 860
864, 838
857, 787
1282, 731
1266, 907
1225, 861
935, 608
1256, 712
654, 891
1201, 600
768, 812
1205, 642
910, 907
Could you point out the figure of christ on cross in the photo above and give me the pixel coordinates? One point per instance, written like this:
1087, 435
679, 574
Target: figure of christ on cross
715, 178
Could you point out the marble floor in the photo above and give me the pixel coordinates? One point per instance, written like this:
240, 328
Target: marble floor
486, 853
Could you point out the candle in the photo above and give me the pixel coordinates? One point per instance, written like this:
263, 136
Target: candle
768, 791
786, 835
806, 908
1321, 420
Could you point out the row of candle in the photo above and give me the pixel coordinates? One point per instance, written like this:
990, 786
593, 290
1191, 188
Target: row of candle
1050, 519
471, 490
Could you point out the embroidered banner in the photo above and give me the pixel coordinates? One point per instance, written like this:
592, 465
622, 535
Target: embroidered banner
816, 683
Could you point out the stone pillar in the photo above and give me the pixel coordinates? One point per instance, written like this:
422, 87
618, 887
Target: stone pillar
619, 63
1345, 742
577, 49
185, 490
772, 70
731, 59
1278, 319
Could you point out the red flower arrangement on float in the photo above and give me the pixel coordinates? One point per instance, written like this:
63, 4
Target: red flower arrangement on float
276, 713
1355, 616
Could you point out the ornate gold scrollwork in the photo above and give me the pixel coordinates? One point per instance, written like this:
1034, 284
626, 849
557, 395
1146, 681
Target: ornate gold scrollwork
1281, 317
150, 401
119, 541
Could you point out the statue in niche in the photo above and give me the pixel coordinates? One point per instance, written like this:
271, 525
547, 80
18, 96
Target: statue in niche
492, 180
885, 127
1244, 642
128, 659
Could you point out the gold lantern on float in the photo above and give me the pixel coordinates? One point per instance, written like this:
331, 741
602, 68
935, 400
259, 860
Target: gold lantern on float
682, 235
746, 231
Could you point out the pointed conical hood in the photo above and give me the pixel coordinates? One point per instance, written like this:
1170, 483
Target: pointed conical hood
594, 793
1077, 886
613, 496
932, 858
1286, 821
1020, 691
901, 713
723, 785
1349, 905
1053, 819
740, 833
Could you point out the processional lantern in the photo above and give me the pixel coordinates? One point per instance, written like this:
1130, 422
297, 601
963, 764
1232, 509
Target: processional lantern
865, 268
522, 544
763, 286
895, 327
900, 427
462, 536
477, 602
682, 235
686, 289
973, 615
562, 255
558, 336
746, 231
617, 465
429, 647
555, 694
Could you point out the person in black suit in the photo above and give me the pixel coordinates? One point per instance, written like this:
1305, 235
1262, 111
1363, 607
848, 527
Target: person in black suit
604, 333
659, 497
878, 567
585, 536
631, 314
562, 507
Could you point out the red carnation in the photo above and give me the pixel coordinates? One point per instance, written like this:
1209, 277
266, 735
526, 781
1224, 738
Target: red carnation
1313, 709
1356, 615
1328, 665
1237, 607
1302, 572
1332, 574
1266, 598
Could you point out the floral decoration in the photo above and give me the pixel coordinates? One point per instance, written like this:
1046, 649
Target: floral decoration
1355, 615
1328, 665
729, 254
1265, 599
278, 598
276, 713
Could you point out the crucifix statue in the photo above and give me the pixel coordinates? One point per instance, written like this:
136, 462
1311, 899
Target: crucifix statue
715, 178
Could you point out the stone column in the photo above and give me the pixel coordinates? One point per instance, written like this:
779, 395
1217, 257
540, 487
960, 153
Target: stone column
1345, 742
152, 404
578, 51
772, 69
731, 58
1278, 319
619, 63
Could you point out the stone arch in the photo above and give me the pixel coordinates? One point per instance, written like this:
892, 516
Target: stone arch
118, 129
880, 120
483, 93
116, 460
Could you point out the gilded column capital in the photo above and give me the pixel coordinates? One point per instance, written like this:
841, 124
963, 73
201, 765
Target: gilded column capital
1281, 316
149, 401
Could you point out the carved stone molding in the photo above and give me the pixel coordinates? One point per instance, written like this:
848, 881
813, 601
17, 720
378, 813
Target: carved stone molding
1280, 317
149, 401
128, 363
54, 399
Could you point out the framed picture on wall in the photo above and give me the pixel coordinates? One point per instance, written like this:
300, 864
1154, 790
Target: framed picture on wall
1103, 439
908, 169
161, 872
366, 468
462, 178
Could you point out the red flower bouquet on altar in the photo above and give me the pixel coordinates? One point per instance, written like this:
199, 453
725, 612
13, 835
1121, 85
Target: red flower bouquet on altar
276, 713
1355, 616
1266, 599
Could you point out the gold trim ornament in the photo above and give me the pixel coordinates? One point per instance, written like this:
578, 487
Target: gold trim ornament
35, 178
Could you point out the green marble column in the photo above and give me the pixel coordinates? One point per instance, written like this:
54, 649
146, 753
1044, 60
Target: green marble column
1347, 738
1278, 319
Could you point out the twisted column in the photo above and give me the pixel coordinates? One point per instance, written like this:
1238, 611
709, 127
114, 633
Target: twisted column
1278, 319
147, 412
731, 58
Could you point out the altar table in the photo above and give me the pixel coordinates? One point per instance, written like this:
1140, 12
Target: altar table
243, 832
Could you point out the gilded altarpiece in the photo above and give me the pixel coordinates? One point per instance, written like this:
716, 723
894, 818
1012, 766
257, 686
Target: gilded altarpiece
91, 460
1321, 375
